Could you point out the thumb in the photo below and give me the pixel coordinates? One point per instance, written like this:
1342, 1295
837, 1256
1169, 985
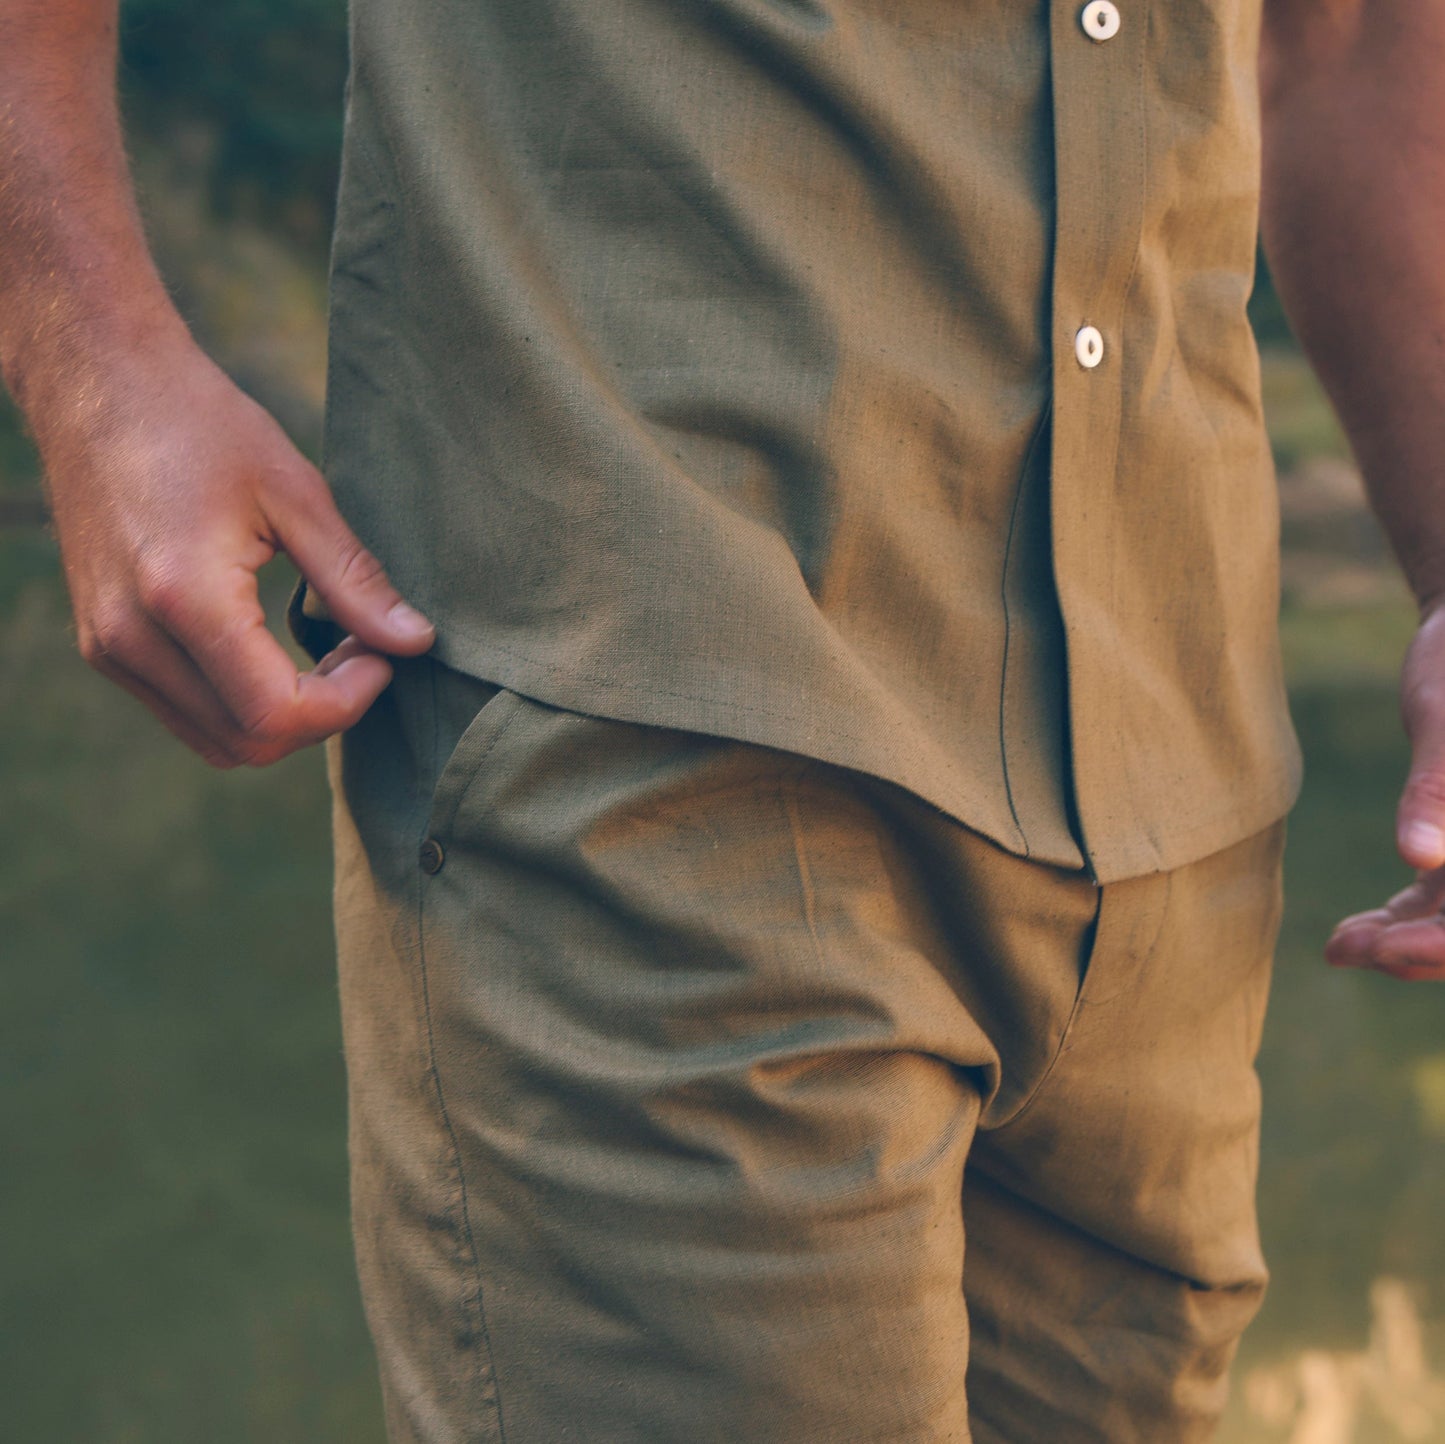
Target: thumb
347, 577
1420, 822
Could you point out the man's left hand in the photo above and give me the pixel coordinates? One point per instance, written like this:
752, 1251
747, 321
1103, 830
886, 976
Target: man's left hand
1406, 937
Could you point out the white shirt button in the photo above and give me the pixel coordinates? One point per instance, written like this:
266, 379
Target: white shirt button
1089, 347
1100, 20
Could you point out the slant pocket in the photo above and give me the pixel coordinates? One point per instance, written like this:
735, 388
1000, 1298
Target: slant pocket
491, 709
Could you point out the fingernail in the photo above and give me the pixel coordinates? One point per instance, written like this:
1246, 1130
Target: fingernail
407, 619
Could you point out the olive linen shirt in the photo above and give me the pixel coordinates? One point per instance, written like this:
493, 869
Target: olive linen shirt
716, 364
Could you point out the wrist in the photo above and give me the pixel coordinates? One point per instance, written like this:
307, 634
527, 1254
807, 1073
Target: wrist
78, 372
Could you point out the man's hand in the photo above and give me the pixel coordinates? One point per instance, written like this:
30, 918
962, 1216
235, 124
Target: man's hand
170, 488
1406, 937
168, 497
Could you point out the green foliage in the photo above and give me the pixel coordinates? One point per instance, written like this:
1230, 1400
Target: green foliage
262, 81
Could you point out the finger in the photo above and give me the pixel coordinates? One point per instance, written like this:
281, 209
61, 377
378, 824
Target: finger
1412, 972
1352, 944
276, 708
1419, 943
1420, 826
346, 576
1420, 821
1423, 897
343, 651
1414, 951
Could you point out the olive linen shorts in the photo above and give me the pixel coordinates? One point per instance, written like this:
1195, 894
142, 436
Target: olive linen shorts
701, 1092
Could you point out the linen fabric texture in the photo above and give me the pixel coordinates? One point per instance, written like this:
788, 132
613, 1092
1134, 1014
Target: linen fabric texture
709, 1092
754, 1055
710, 364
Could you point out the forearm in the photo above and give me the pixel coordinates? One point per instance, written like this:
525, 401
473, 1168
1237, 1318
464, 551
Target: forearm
1354, 219
78, 290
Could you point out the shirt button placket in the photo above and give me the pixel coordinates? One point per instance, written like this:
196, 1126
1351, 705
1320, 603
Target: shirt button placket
1101, 78
1100, 21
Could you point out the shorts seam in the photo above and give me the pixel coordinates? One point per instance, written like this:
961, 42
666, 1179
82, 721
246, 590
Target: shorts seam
476, 1301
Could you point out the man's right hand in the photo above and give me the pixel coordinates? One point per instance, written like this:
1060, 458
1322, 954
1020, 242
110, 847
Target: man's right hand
170, 492
170, 488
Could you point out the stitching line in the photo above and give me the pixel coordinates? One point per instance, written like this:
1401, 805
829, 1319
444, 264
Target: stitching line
477, 1300
461, 1177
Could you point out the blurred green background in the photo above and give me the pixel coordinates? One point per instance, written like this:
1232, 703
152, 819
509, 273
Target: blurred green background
175, 1263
